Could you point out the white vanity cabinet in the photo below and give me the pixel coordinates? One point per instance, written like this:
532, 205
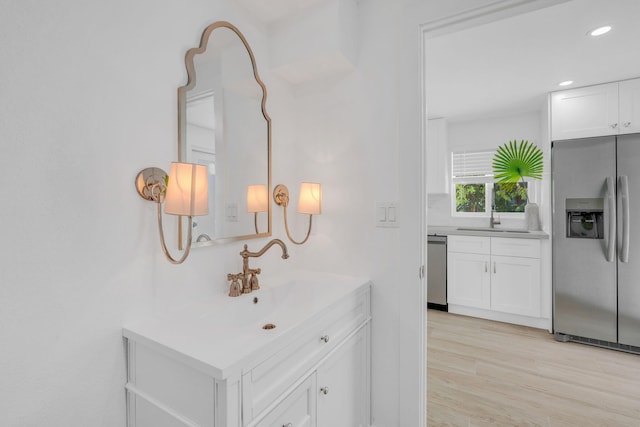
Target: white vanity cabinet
334, 395
495, 276
314, 371
600, 110
297, 409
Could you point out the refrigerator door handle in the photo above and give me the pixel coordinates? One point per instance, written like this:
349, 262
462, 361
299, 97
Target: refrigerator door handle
611, 246
624, 185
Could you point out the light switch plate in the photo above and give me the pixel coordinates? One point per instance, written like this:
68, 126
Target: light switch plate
387, 214
232, 212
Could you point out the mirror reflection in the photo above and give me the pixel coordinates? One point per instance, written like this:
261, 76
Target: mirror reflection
223, 125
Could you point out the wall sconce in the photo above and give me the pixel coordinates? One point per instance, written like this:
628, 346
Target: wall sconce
184, 192
310, 202
257, 201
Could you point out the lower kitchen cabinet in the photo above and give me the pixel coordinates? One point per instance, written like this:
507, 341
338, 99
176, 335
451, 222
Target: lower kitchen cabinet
515, 285
494, 275
468, 279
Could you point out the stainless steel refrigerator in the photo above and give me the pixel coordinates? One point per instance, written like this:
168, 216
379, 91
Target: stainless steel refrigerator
596, 241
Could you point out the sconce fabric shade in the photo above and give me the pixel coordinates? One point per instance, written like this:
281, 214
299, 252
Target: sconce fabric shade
257, 198
310, 201
187, 190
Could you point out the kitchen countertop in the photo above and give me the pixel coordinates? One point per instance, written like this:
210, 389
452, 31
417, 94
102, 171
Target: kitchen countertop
450, 230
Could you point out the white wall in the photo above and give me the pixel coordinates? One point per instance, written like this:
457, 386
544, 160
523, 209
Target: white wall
88, 98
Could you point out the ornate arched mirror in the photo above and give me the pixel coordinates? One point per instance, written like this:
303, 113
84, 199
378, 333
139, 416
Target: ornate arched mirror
224, 125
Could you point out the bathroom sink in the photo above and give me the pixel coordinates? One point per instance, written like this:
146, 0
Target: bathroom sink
493, 230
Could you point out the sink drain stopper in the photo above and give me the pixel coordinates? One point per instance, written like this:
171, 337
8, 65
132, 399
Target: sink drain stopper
269, 326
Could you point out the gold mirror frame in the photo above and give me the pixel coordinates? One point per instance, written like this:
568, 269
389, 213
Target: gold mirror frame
182, 116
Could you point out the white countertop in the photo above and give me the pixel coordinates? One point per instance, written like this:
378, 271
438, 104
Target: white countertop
448, 230
218, 335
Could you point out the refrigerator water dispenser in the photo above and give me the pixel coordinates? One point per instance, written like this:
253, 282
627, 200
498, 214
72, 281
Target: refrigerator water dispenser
585, 219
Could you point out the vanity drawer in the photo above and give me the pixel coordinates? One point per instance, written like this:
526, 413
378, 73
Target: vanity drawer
273, 376
504, 246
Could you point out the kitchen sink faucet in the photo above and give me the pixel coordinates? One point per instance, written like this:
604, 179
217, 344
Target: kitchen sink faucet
492, 220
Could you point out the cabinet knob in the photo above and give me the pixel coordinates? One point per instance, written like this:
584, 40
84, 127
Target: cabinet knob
324, 338
627, 124
614, 125
324, 390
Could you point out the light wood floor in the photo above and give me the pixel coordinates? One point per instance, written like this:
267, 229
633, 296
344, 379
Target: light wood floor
484, 373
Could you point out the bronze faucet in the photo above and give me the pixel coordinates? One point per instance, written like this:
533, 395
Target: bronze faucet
249, 276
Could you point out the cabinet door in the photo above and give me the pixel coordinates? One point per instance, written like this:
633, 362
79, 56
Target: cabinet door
515, 285
630, 106
342, 384
298, 409
585, 112
437, 157
468, 280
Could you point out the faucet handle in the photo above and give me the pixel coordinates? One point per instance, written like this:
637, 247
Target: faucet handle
253, 281
235, 290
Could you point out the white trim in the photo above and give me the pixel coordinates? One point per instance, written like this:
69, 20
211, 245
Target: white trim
533, 322
494, 11
422, 370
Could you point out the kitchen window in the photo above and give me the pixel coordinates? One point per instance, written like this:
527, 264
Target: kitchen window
472, 181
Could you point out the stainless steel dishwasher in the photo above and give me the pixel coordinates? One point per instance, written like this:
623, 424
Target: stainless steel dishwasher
437, 272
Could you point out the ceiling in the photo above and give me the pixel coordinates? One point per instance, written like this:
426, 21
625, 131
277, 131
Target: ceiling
270, 11
508, 66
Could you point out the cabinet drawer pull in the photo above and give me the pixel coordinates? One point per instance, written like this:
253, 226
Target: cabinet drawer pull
485, 267
494, 267
324, 338
324, 390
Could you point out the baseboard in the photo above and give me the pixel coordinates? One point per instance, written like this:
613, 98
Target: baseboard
533, 322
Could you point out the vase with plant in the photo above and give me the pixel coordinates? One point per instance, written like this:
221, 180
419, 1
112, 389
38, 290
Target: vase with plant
513, 162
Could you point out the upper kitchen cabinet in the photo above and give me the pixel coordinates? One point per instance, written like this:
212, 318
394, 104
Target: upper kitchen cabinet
437, 157
606, 109
584, 112
630, 106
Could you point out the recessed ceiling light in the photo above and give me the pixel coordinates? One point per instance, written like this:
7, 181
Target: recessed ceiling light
566, 83
600, 31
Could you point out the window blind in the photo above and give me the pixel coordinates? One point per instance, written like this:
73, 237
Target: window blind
472, 164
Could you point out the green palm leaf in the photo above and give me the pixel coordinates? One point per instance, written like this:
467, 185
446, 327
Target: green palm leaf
513, 162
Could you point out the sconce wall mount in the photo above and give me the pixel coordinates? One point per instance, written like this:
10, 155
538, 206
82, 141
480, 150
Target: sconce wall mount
310, 202
184, 192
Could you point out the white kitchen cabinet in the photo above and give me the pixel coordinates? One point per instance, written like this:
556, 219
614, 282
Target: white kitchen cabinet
494, 275
630, 106
600, 110
584, 112
515, 285
438, 160
468, 279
